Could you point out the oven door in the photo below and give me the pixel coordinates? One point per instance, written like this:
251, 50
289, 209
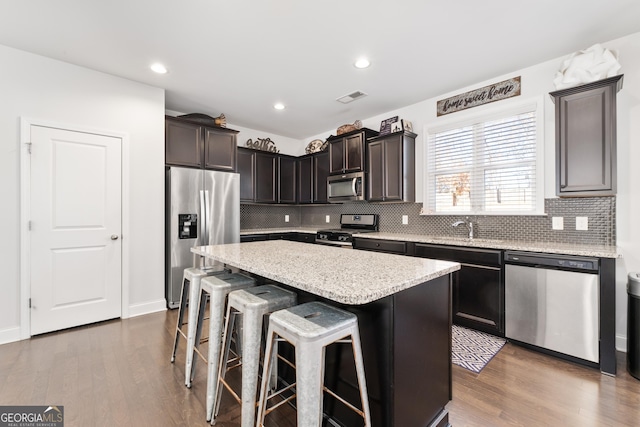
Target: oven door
334, 243
346, 187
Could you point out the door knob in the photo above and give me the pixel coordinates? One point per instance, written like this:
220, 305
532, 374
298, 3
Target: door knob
114, 237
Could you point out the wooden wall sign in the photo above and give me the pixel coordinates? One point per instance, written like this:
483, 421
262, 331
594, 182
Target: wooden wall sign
484, 95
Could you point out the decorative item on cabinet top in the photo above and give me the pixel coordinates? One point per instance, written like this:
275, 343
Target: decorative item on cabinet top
385, 125
316, 146
395, 124
586, 66
203, 119
262, 144
349, 127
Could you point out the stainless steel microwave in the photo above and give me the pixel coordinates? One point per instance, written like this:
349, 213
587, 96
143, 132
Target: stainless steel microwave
345, 187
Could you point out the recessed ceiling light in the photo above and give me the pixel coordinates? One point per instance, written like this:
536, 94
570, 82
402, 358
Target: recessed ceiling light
159, 68
279, 106
362, 63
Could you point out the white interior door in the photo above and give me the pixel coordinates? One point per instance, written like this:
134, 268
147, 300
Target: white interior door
75, 263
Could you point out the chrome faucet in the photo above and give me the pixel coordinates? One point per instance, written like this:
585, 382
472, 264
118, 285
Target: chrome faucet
466, 222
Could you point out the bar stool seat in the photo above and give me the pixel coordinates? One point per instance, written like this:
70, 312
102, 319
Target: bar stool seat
252, 304
215, 290
310, 328
191, 280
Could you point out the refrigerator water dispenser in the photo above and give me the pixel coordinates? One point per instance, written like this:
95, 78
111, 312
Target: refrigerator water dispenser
187, 226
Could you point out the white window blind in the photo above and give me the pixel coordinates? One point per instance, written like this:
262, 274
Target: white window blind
485, 167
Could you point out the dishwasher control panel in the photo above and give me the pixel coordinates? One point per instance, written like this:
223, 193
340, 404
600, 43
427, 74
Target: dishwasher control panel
549, 260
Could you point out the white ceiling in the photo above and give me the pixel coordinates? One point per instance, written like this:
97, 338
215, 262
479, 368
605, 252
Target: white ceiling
239, 57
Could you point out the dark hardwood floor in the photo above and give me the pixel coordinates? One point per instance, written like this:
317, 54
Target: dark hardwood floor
117, 373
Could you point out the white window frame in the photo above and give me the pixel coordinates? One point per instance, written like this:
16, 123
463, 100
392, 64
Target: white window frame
533, 104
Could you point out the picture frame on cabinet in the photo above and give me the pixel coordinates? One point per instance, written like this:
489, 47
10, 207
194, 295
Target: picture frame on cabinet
385, 125
407, 125
397, 126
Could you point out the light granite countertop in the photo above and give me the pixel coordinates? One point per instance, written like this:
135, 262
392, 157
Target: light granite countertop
543, 247
341, 275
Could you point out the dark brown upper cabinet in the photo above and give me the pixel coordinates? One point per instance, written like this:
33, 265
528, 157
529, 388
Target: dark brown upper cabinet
320, 174
246, 169
220, 149
313, 170
259, 176
346, 152
194, 145
586, 138
287, 179
266, 177
391, 168
305, 179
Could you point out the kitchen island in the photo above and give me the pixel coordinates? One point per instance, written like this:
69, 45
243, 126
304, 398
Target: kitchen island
403, 306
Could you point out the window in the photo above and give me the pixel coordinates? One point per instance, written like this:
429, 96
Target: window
489, 166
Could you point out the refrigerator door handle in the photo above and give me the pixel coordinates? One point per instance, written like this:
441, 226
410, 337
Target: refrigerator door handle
202, 238
207, 214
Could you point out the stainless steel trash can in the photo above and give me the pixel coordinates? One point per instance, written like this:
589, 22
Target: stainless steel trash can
633, 324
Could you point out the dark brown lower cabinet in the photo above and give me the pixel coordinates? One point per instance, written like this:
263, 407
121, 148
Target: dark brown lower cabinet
292, 236
377, 245
406, 346
478, 287
477, 299
253, 237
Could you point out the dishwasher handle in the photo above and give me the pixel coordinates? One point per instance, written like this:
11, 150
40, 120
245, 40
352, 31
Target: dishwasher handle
568, 262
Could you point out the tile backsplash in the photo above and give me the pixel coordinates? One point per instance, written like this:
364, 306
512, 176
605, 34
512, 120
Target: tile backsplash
600, 211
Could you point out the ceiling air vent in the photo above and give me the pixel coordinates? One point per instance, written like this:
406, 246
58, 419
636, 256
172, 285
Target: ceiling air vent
351, 97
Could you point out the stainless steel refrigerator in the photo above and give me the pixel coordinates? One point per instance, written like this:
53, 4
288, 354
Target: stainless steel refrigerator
202, 208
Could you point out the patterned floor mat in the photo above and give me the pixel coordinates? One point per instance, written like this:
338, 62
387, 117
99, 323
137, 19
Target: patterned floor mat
472, 349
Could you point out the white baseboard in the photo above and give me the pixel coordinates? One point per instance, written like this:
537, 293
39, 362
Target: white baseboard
147, 307
10, 335
621, 343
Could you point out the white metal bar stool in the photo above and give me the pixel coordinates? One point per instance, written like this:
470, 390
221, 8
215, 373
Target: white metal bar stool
215, 289
191, 279
311, 327
252, 304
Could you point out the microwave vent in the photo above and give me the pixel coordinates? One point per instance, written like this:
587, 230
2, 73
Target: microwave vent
351, 97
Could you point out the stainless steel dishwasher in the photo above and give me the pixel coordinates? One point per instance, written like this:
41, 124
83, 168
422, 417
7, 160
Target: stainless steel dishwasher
552, 302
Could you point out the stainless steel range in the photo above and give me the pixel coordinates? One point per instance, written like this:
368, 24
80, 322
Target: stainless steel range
349, 225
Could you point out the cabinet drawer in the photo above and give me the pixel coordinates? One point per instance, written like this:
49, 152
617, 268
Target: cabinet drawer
282, 236
487, 257
306, 237
253, 238
390, 246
